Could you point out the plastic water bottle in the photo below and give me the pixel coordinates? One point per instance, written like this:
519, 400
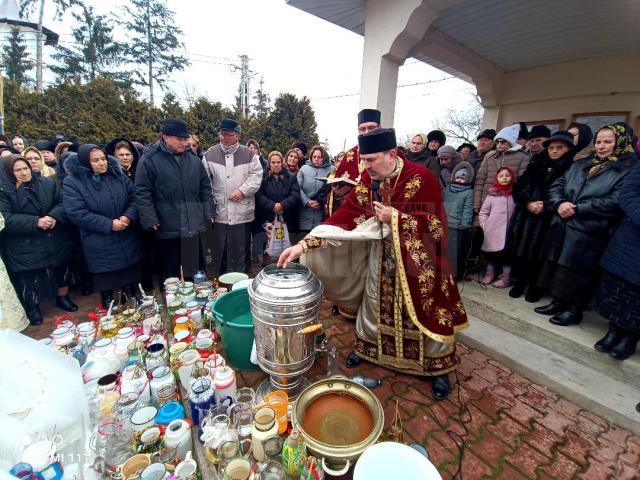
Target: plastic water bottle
366, 382
199, 277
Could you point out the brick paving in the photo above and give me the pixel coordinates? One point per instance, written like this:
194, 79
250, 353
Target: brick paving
512, 429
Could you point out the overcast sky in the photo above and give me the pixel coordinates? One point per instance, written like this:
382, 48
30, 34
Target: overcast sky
298, 53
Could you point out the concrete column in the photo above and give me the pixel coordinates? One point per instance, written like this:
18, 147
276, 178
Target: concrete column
392, 29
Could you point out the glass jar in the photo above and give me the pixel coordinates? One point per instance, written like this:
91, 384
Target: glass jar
86, 332
160, 376
123, 339
62, 337
157, 355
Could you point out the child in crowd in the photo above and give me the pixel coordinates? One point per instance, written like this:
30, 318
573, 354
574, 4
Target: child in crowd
458, 202
494, 217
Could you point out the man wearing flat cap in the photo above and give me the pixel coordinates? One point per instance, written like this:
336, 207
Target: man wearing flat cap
235, 174
173, 197
408, 305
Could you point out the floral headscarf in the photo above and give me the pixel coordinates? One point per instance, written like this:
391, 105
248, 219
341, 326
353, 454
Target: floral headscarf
624, 144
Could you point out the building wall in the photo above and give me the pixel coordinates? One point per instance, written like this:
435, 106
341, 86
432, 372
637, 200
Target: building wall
559, 91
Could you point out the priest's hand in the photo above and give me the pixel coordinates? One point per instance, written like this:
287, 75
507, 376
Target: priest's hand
289, 255
383, 212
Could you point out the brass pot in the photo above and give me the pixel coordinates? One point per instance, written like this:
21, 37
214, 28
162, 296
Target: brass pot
334, 456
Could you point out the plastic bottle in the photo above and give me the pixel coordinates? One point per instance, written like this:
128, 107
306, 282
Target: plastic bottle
225, 383
366, 382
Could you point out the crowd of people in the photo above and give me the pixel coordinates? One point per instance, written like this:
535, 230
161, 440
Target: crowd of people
534, 211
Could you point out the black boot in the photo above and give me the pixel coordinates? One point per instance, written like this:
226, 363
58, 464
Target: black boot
625, 347
440, 386
571, 316
65, 303
533, 294
611, 339
106, 297
516, 291
35, 316
556, 306
353, 360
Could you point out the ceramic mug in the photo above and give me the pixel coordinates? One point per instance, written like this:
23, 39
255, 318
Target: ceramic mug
155, 471
186, 469
132, 468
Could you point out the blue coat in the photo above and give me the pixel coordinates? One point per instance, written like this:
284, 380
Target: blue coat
622, 256
311, 188
93, 206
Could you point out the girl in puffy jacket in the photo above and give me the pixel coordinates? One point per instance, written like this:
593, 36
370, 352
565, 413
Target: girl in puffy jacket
494, 217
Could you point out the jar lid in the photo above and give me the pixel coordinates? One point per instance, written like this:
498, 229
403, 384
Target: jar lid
160, 371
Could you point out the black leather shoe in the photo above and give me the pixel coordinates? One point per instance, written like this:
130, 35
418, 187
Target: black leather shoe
353, 360
87, 289
572, 316
533, 294
335, 311
556, 306
516, 291
610, 340
106, 298
65, 303
35, 316
625, 347
440, 387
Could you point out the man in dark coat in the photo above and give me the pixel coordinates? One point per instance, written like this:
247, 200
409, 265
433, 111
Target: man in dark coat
485, 145
174, 199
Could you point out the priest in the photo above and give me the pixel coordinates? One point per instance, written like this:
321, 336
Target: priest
383, 255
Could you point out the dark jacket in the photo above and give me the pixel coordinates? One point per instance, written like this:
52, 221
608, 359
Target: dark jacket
28, 247
475, 158
622, 256
92, 206
275, 190
426, 159
579, 241
528, 231
174, 193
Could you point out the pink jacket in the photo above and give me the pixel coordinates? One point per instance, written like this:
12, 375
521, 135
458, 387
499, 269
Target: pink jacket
494, 218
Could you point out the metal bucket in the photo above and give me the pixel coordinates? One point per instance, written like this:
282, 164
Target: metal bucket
285, 303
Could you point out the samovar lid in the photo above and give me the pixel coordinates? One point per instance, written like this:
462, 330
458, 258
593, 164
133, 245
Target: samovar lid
293, 284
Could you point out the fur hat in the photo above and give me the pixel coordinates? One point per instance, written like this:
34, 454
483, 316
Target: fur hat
539, 131
437, 135
301, 144
489, 133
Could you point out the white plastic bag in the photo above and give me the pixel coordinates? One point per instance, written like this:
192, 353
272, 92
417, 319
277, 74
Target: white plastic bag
279, 238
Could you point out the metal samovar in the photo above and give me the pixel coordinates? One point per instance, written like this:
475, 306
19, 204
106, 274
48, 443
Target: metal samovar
285, 304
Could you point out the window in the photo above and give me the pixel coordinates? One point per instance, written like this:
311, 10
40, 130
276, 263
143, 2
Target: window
599, 119
553, 125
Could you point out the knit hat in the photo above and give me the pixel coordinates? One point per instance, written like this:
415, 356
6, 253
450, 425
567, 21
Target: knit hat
462, 173
230, 125
175, 127
489, 133
510, 134
369, 115
560, 136
44, 145
539, 131
437, 135
447, 151
301, 145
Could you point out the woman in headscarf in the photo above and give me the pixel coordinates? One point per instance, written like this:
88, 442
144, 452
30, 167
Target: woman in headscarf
98, 198
127, 155
36, 160
585, 207
618, 298
35, 239
582, 137
418, 153
12, 314
531, 219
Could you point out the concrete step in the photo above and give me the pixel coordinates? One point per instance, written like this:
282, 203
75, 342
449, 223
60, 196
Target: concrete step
576, 381
517, 317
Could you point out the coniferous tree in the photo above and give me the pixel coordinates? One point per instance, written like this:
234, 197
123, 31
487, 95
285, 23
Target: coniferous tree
171, 107
31, 6
153, 42
15, 58
95, 52
290, 119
